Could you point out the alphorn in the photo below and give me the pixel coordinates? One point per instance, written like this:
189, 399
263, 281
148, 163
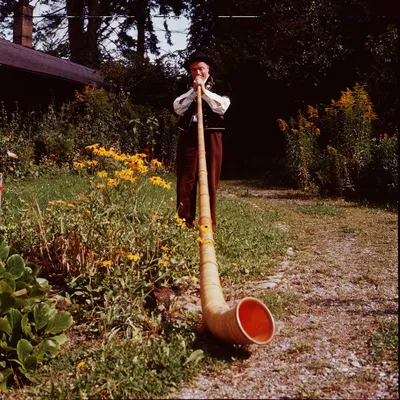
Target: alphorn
247, 322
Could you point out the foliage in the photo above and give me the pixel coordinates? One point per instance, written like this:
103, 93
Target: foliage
119, 241
346, 157
89, 43
380, 178
31, 327
32, 143
302, 151
385, 340
135, 369
320, 208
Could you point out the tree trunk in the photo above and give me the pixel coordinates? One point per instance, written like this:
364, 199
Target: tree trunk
93, 54
76, 30
142, 11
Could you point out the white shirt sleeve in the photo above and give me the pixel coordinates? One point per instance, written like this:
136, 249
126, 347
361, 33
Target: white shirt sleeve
219, 104
182, 103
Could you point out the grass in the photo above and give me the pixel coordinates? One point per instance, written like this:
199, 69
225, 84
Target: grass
385, 342
66, 186
320, 208
163, 350
282, 304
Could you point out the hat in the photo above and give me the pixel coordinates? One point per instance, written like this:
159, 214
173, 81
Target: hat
197, 56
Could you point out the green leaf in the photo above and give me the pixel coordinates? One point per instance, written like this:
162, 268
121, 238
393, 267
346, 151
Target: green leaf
5, 326
43, 282
2, 269
24, 349
4, 374
26, 327
41, 314
34, 268
37, 293
5, 287
3, 364
12, 251
48, 348
4, 249
58, 322
195, 357
61, 339
14, 317
6, 302
15, 266
30, 363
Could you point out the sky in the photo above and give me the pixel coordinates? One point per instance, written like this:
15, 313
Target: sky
179, 30
177, 25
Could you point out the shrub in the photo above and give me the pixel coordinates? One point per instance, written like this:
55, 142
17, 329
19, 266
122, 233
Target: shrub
345, 158
301, 147
30, 326
29, 140
118, 242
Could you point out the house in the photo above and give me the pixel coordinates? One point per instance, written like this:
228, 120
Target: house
32, 77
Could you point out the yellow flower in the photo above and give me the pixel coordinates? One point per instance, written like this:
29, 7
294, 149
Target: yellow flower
79, 164
156, 163
133, 257
106, 263
100, 186
6, 138
70, 205
156, 180
64, 203
180, 221
51, 203
48, 209
81, 364
102, 174
92, 146
194, 279
164, 248
112, 182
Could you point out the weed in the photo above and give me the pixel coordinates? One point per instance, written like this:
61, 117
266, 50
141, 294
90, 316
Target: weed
347, 229
282, 304
320, 208
385, 342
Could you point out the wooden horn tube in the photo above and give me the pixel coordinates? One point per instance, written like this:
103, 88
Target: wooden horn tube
247, 322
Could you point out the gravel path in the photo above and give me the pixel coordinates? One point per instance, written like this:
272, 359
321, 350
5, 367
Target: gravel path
342, 275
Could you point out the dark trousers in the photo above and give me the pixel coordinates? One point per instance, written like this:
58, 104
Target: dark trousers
187, 164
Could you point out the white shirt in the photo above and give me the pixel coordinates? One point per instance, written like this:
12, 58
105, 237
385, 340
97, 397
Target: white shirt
218, 104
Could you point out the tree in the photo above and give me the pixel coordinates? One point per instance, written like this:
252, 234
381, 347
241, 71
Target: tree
84, 29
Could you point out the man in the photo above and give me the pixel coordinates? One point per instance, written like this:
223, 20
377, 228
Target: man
215, 101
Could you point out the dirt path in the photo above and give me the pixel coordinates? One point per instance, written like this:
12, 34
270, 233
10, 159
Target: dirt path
341, 276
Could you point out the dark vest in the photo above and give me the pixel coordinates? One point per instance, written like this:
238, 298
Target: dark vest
211, 120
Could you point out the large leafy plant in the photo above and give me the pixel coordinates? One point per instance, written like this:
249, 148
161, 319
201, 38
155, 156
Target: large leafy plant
30, 326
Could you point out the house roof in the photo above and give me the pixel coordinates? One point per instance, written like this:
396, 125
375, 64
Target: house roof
23, 58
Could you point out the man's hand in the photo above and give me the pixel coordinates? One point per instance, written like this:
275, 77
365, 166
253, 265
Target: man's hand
198, 81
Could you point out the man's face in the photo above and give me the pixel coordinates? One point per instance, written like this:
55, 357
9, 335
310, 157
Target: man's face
199, 68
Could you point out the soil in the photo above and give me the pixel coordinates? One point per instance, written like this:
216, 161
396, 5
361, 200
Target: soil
340, 273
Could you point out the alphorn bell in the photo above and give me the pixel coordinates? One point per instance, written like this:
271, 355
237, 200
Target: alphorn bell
247, 322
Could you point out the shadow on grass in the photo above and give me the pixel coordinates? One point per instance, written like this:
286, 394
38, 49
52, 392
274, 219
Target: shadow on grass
220, 350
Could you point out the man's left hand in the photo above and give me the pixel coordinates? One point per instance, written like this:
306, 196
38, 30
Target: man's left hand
198, 81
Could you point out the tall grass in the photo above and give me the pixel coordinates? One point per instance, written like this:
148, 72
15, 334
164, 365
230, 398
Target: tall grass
110, 242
